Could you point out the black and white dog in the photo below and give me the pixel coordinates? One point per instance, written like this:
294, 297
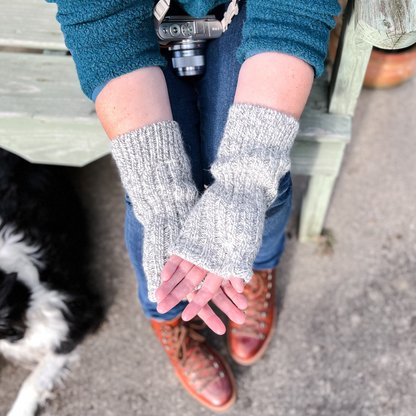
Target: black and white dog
46, 302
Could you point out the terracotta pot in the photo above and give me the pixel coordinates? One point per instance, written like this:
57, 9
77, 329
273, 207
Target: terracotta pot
385, 68
390, 69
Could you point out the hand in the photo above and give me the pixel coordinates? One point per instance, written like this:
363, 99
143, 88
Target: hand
208, 315
180, 278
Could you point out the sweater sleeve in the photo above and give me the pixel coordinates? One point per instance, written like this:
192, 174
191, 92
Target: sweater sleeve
295, 27
108, 39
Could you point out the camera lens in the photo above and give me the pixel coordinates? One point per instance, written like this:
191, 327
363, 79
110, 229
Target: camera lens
188, 58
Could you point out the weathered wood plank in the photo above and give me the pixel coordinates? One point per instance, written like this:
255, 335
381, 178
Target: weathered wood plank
316, 124
349, 69
57, 142
44, 116
30, 24
42, 86
324, 127
387, 24
318, 151
314, 207
310, 158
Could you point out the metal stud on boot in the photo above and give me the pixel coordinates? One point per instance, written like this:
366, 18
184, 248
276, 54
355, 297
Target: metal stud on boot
248, 342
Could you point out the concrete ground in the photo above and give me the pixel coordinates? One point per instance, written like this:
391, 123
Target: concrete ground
345, 342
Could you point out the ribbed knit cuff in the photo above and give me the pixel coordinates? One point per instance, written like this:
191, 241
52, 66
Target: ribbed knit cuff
254, 151
156, 173
223, 233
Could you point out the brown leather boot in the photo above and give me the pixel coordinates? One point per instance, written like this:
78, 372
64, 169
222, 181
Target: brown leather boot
201, 370
248, 342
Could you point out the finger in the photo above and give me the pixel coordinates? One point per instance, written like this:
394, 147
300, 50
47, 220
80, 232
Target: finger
238, 299
210, 318
237, 283
211, 284
170, 267
166, 287
225, 304
184, 287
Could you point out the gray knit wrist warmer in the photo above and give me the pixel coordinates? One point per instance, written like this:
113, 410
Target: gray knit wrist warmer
156, 174
223, 232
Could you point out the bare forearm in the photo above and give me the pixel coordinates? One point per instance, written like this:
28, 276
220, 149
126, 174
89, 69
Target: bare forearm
132, 101
275, 80
140, 98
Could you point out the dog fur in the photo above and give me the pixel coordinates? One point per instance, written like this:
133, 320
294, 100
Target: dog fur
47, 305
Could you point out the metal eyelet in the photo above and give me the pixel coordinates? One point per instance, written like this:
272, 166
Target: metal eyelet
263, 325
234, 330
210, 357
269, 276
221, 374
269, 285
192, 381
265, 304
261, 336
215, 364
263, 314
186, 373
268, 295
164, 340
167, 347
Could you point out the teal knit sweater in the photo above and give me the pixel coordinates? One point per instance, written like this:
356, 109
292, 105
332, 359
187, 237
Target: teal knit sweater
114, 37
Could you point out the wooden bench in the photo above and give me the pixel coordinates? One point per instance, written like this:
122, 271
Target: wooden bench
387, 24
45, 118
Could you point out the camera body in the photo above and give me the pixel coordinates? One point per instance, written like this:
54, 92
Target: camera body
179, 28
186, 38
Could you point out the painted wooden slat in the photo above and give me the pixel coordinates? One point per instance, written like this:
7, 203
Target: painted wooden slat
316, 158
386, 24
30, 24
42, 86
316, 124
44, 116
56, 142
349, 69
324, 127
318, 152
314, 207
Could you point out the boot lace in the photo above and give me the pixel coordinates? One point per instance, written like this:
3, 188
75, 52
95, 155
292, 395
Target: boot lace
196, 361
257, 294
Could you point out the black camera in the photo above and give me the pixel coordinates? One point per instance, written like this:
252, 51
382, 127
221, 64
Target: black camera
186, 38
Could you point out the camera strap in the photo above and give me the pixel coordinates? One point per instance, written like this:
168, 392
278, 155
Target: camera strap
232, 11
162, 7
160, 10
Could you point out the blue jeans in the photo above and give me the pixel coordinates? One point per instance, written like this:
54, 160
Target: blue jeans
200, 106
